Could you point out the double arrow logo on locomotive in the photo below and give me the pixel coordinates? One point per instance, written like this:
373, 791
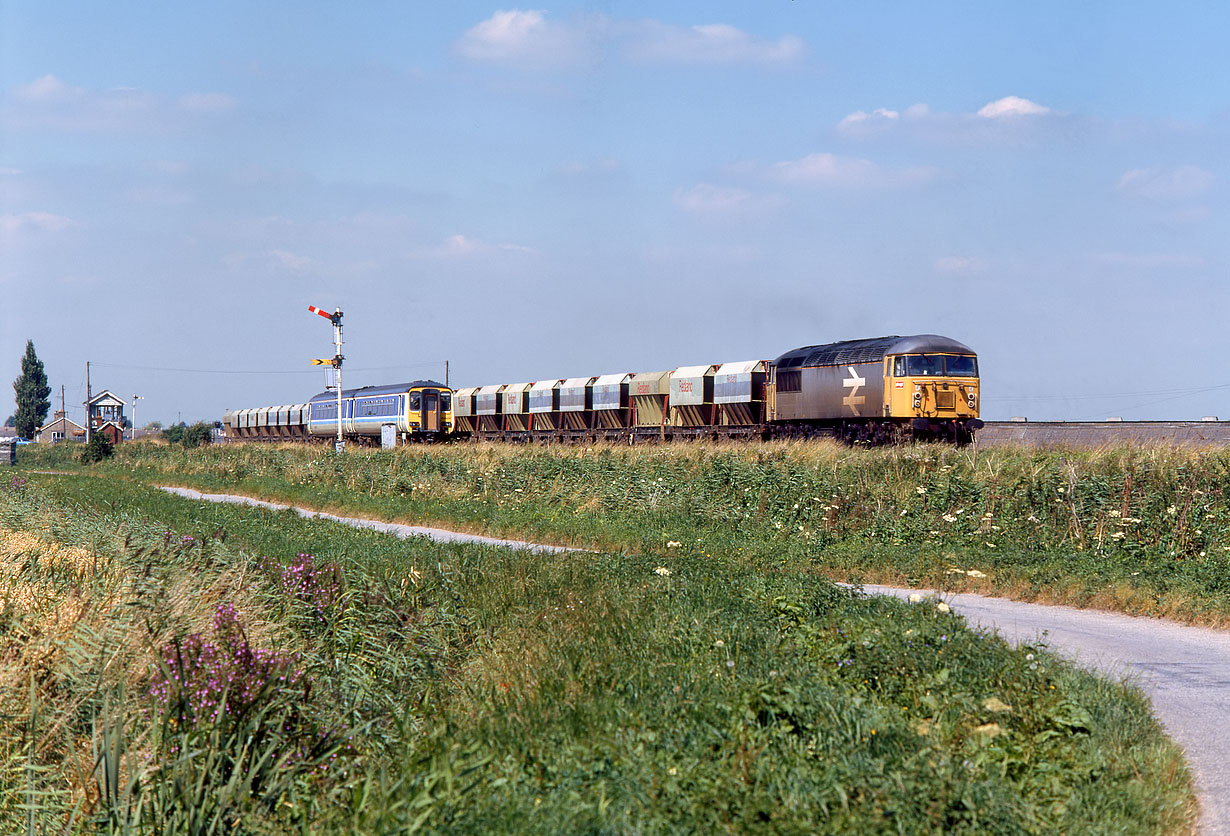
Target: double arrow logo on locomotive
854, 400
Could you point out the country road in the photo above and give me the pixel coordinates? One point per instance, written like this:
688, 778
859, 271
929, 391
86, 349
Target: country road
1185, 670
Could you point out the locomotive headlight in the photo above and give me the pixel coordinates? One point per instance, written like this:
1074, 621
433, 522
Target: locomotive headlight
971, 397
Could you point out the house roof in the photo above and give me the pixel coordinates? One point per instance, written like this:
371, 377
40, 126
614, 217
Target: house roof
62, 421
106, 398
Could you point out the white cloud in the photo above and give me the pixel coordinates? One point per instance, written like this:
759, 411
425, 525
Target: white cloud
50, 103
1012, 106
524, 36
1011, 119
464, 245
47, 89
705, 197
1166, 184
960, 265
860, 119
833, 170
708, 43
44, 222
527, 37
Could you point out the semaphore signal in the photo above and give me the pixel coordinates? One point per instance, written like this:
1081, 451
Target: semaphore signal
335, 317
336, 363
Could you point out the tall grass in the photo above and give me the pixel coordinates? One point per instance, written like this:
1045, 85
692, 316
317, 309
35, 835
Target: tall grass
386, 686
1142, 529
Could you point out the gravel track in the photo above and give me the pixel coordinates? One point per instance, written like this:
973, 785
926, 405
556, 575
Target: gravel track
1185, 670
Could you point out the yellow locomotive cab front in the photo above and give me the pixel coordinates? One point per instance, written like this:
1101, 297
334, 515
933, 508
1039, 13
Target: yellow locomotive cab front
938, 391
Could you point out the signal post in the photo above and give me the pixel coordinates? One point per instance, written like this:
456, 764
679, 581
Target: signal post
336, 363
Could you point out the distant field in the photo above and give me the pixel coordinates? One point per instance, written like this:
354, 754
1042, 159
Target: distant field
1141, 529
697, 673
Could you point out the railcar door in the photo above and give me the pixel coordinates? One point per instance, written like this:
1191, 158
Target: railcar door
431, 411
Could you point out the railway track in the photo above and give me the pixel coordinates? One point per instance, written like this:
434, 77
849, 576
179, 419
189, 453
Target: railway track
1101, 433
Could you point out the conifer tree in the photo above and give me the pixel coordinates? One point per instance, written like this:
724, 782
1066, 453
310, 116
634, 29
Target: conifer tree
32, 393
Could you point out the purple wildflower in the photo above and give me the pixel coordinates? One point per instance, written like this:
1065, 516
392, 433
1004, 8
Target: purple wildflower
207, 680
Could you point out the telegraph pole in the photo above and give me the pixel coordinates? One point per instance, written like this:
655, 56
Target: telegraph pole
336, 319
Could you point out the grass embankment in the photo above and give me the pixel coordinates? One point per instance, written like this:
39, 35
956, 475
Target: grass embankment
1144, 530
386, 686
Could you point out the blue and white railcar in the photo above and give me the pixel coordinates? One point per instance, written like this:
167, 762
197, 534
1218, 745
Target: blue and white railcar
422, 409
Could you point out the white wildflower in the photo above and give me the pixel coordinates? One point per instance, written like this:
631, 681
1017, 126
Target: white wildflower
663, 571
942, 607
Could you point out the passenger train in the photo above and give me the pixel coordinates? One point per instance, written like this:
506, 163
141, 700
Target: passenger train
873, 391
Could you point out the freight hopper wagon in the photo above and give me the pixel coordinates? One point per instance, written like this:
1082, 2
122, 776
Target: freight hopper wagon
714, 401
878, 391
267, 423
874, 391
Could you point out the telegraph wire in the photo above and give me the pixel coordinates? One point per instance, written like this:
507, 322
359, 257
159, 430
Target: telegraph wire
128, 367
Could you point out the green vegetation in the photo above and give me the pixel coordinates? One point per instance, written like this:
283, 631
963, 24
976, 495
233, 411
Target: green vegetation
1140, 529
386, 686
97, 449
197, 435
32, 392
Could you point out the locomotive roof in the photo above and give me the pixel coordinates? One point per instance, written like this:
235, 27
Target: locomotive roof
366, 391
869, 351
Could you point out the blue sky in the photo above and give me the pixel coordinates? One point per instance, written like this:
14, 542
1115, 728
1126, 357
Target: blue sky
532, 192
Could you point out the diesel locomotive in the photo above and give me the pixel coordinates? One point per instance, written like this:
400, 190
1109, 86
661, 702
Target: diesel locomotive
873, 391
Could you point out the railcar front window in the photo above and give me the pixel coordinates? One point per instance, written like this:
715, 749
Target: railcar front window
962, 366
920, 365
416, 403
446, 402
